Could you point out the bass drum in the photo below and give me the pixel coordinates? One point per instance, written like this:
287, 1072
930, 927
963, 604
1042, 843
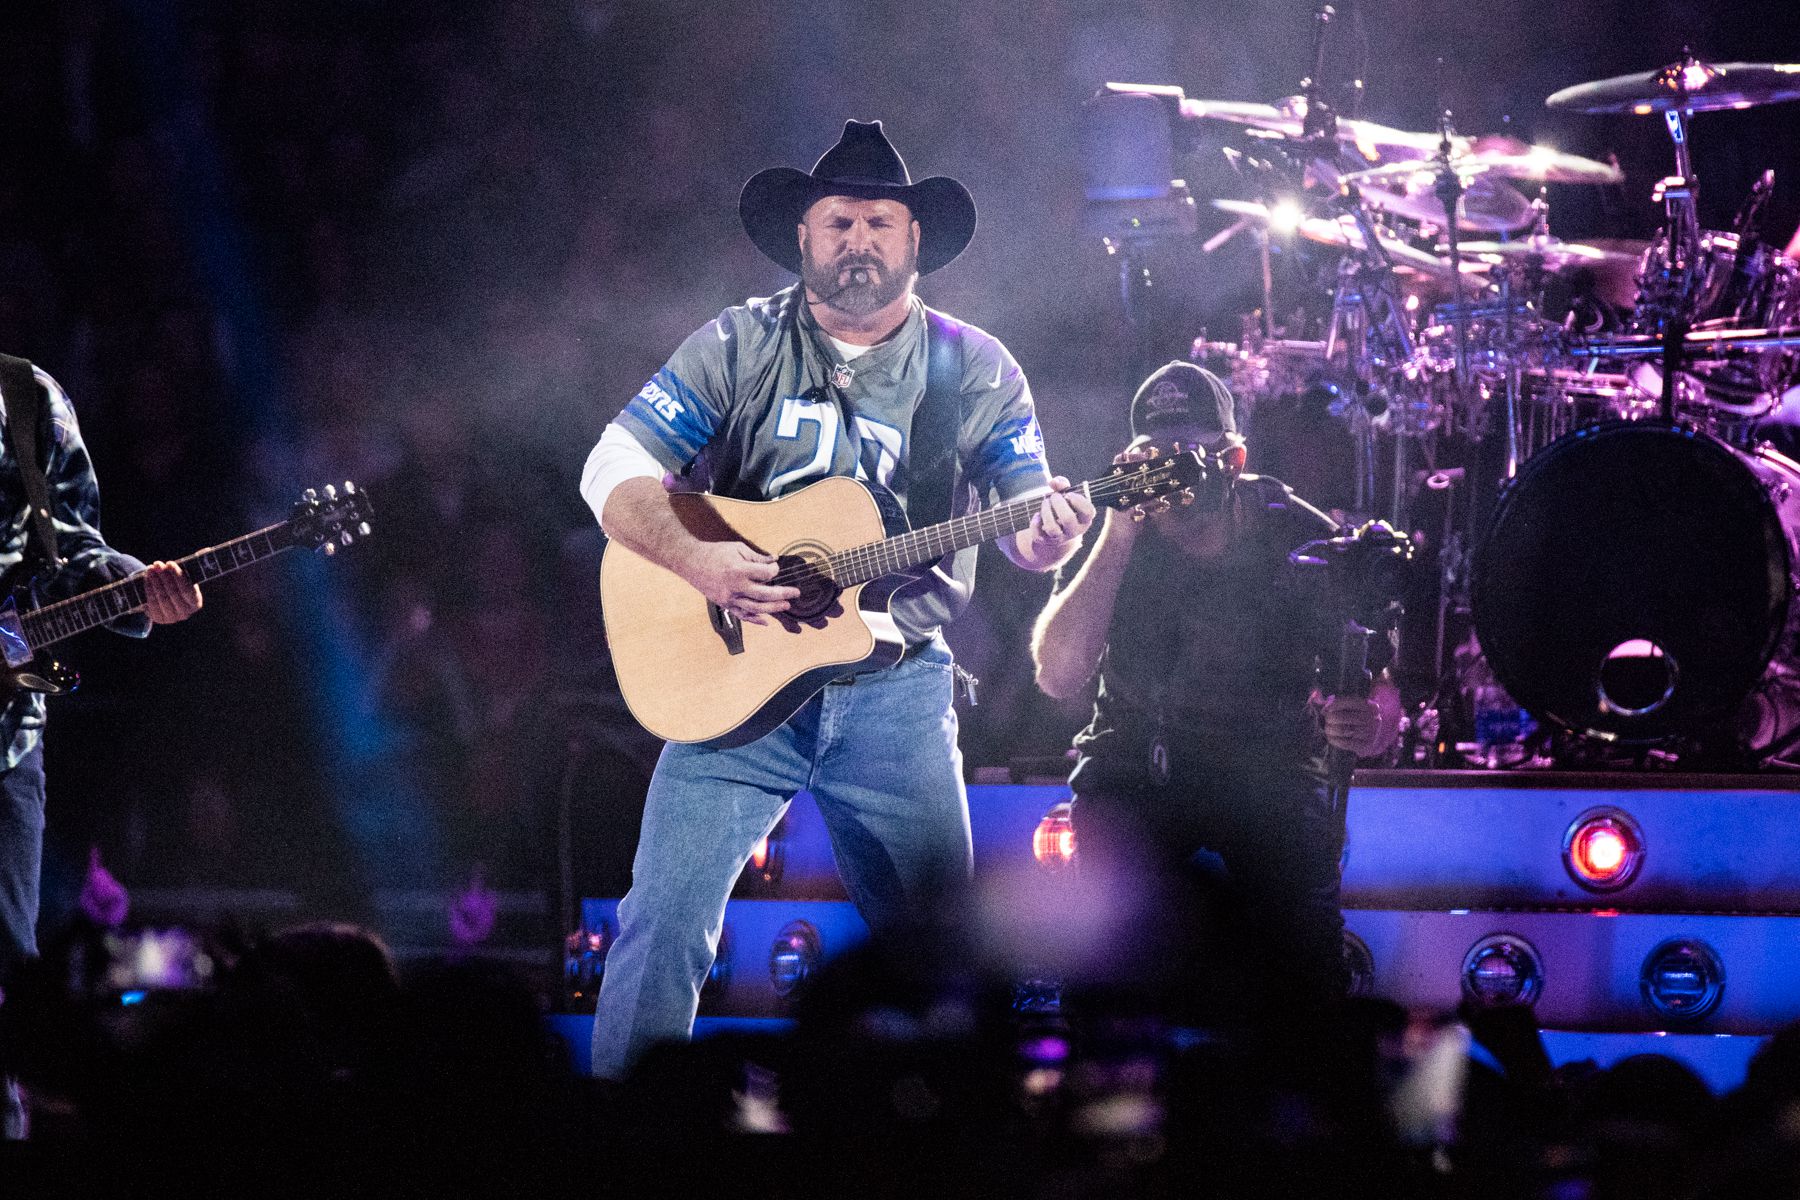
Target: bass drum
1635, 580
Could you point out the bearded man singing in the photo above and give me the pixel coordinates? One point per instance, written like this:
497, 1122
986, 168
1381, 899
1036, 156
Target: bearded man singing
845, 373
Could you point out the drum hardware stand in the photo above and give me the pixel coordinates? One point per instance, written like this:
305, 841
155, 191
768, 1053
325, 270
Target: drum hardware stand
1367, 304
1640, 345
1320, 123
1451, 561
1135, 283
1449, 191
1679, 195
1513, 373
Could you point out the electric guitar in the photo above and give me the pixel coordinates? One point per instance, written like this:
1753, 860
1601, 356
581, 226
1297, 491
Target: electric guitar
321, 521
692, 672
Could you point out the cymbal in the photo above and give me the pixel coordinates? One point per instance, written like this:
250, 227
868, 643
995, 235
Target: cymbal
1689, 85
1505, 158
1555, 254
1488, 206
1377, 142
1613, 262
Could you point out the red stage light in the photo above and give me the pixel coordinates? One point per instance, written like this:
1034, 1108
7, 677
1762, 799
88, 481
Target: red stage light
1053, 843
769, 856
1603, 849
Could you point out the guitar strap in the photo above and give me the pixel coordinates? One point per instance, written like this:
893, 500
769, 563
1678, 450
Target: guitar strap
28, 434
933, 466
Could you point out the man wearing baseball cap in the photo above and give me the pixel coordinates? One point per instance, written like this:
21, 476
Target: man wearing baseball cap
1208, 732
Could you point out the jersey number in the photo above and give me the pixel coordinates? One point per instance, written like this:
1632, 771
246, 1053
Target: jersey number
878, 445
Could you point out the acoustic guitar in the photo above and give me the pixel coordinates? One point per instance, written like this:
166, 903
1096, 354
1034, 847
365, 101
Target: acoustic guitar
692, 672
319, 521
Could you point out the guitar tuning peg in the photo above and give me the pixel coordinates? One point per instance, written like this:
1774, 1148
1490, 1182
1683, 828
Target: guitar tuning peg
345, 537
349, 488
1155, 452
1187, 496
330, 492
310, 495
1161, 506
329, 548
1138, 513
364, 527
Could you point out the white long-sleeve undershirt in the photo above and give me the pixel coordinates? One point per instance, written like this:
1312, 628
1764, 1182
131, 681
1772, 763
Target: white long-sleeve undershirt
616, 457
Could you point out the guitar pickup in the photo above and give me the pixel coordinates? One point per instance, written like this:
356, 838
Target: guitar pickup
728, 627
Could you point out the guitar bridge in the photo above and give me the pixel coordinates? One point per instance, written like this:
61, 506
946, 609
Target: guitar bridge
728, 627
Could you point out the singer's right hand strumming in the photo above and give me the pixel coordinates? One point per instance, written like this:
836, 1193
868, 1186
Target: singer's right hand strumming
736, 578
729, 573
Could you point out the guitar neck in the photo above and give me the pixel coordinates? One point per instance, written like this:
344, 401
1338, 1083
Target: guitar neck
860, 564
64, 619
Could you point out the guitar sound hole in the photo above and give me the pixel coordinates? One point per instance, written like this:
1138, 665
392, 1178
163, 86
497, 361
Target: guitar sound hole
809, 572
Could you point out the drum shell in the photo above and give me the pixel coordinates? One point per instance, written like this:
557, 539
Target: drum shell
1554, 403
1639, 530
1758, 288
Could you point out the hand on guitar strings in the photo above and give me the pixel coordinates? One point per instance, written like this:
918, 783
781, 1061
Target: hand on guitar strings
1062, 518
736, 578
169, 596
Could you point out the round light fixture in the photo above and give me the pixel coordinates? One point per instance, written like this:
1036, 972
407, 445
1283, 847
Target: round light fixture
794, 958
1682, 979
1603, 849
1053, 842
1501, 970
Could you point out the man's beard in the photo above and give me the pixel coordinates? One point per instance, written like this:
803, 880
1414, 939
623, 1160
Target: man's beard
884, 284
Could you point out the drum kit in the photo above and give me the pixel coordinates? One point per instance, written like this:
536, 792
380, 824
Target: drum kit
1575, 427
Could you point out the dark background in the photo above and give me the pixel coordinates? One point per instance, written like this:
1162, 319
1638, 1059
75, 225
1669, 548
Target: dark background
434, 247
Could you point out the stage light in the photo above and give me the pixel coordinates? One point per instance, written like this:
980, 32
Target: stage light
1603, 849
1360, 964
1053, 843
1502, 970
794, 958
584, 962
769, 856
1682, 979
1285, 216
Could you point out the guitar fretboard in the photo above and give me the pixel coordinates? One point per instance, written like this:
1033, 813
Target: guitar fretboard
64, 619
860, 564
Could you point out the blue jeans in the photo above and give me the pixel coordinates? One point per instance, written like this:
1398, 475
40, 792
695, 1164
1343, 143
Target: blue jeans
21, 859
878, 754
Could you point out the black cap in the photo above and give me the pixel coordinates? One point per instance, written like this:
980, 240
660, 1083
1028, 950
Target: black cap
1185, 397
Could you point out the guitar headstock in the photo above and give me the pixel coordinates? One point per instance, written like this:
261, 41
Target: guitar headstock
1153, 483
329, 518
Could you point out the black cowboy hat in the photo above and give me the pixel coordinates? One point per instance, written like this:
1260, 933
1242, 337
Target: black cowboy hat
865, 166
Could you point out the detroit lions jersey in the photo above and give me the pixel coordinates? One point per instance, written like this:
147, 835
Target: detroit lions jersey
750, 406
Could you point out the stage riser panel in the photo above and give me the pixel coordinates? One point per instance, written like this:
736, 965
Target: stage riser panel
1439, 840
1591, 964
1442, 840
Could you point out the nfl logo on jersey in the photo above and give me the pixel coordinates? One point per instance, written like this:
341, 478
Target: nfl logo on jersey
841, 375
